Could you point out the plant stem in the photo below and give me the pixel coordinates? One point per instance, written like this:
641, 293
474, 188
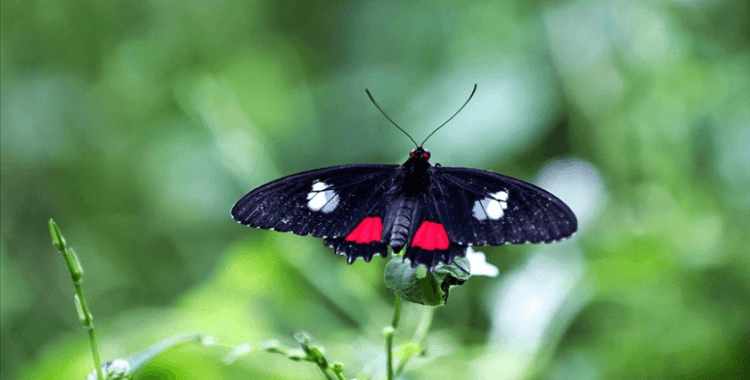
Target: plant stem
389, 332
419, 336
88, 324
324, 372
424, 325
76, 273
396, 312
389, 354
339, 375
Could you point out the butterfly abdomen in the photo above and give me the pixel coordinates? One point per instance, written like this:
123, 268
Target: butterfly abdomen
398, 221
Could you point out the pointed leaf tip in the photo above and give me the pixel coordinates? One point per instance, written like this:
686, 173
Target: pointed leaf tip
57, 239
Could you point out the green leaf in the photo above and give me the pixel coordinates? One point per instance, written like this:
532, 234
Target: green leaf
417, 285
143, 357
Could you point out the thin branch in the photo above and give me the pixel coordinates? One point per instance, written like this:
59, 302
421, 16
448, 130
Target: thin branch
76, 273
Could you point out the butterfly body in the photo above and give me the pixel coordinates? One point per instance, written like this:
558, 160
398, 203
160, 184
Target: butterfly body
434, 212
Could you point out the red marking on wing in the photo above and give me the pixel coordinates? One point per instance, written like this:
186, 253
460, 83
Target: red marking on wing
369, 230
431, 236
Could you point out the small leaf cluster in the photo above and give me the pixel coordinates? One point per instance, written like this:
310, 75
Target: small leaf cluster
307, 352
418, 285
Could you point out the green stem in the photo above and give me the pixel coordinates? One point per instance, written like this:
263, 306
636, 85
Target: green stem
389, 332
419, 336
396, 312
424, 325
324, 372
339, 375
389, 354
76, 273
88, 324
338, 370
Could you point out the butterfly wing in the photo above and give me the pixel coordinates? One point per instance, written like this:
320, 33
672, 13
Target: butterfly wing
331, 203
325, 202
347, 206
479, 207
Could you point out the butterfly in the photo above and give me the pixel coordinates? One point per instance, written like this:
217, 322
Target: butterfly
434, 212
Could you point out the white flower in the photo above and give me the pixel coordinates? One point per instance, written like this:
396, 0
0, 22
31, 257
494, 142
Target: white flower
478, 264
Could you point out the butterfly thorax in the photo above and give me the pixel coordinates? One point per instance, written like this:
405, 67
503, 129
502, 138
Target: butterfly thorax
403, 209
416, 175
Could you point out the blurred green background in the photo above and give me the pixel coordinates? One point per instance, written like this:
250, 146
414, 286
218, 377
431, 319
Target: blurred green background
137, 125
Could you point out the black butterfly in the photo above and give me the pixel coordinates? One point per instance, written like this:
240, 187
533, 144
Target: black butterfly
433, 211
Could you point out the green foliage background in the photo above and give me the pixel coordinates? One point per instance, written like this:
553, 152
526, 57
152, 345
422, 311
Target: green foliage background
137, 124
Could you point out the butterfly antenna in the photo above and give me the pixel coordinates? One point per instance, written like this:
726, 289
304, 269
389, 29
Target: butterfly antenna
451, 118
388, 117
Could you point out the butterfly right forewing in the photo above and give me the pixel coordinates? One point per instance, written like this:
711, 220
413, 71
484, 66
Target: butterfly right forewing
327, 202
488, 208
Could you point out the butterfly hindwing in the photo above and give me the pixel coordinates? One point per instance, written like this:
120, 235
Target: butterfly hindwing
479, 207
327, 202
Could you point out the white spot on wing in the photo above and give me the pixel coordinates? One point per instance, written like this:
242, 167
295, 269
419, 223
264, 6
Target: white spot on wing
319, 186
494, 209
491, 207
478, 211
500, 195
321, 199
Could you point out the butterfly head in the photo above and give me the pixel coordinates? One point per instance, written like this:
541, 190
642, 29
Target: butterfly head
419, 154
